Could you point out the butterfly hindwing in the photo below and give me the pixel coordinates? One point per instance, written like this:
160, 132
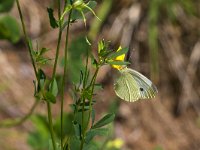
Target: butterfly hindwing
126, 88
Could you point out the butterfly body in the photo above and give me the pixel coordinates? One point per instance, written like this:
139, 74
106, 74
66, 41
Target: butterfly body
132, 85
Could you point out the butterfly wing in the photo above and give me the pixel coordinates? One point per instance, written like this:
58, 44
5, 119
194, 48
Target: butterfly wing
126, 87
146, 88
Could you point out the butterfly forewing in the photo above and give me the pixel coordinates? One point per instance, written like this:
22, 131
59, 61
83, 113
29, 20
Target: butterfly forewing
147, 88
126, 88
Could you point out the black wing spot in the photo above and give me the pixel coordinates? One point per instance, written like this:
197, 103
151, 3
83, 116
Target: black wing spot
141, 89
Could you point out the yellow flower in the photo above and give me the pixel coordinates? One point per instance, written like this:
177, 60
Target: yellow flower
119, 58
117, 143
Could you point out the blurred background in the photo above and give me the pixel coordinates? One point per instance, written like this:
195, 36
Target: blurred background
163, 37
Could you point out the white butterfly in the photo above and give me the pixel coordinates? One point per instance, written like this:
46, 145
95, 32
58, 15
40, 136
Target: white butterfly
132, 85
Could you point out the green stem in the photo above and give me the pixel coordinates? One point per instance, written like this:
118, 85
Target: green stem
18, 121
26, 37
64, 76
93, 84
59, 41
90, 106
53, 76
51, 125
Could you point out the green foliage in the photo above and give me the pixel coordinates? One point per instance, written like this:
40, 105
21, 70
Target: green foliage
39, 58
94, 132
121, 63
45, 89
48, 96
39, 139
158, 148
104, 121
6, 5
9, 29
107, 56
76, 130
54, 87
78, 52
117, 53
52, 19
80, 8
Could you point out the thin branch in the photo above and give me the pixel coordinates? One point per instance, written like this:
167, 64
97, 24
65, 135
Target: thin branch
18, 121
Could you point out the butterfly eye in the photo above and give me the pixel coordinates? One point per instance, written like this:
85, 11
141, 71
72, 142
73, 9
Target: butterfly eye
141, 89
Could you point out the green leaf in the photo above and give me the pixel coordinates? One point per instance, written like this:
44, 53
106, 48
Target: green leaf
48, 96
30, 45
42, 61
78, 118
104, 121
92, 4
38, 138
74, 143
67, 8
76, 13
68, 129
118, 53
9, 29
118, 63
52, 19
91, 146
77, 129
41, 78
94, 132
43, 50
54, 87
6, 5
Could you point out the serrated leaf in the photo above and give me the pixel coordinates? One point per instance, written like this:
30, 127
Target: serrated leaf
94, 132
118, 53
52, 19
104, 121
